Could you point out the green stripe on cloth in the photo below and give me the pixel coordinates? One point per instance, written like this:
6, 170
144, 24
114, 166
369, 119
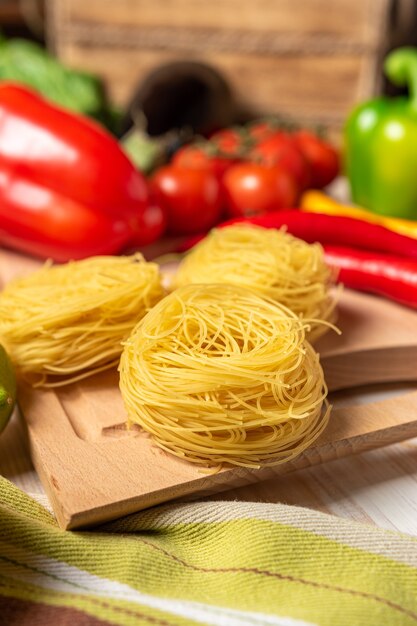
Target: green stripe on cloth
222, 563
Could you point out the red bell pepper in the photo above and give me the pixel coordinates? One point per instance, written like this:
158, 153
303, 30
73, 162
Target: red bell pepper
331, 229
67, 190
382, 274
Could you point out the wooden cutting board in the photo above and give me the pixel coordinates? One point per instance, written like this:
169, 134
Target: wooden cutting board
94, 469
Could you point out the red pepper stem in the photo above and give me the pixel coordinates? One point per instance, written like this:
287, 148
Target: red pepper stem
143, 151
5, 397
400, 67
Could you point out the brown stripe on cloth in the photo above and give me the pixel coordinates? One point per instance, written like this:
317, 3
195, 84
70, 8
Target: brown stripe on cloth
16, 612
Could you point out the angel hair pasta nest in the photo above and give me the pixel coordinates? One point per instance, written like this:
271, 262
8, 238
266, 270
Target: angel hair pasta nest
269, 261
66, 322
219, 374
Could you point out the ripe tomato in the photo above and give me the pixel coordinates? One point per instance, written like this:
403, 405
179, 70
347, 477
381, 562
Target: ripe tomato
280, 149
231, 142
261, 130
322, 157
198, 158
191, 199
252, 189
152, 223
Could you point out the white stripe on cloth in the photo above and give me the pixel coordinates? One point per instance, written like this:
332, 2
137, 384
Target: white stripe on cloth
392, 545
48, 573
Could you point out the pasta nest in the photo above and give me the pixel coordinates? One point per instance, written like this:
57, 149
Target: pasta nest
218, 374
272, 263
65, 322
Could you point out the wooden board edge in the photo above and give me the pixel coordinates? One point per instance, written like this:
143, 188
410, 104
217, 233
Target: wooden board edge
238, 477
383, 365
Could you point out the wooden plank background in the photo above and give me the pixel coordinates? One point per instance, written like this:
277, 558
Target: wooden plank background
312, 63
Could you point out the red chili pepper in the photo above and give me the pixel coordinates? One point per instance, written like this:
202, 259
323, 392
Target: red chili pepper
383, 274
339, 230
67, 190
332, 229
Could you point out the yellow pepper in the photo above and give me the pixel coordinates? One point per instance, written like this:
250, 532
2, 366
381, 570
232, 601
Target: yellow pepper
317, 202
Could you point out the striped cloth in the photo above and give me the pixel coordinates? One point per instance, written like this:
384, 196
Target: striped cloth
220, 563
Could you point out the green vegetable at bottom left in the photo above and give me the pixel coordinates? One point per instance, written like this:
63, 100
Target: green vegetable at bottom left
8, 388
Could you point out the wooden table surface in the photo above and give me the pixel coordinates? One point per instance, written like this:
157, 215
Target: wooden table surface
377, 487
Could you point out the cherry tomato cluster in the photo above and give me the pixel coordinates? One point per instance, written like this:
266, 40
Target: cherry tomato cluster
244, 171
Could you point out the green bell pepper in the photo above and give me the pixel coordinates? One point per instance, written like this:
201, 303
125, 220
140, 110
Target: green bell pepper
381, 144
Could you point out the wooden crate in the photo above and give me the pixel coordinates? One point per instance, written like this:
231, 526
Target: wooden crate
311, 59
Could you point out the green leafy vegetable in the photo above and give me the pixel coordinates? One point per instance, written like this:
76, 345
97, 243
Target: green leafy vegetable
28, 63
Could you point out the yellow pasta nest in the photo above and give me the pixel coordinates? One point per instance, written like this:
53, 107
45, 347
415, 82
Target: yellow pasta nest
219, 374
269, 261
63, 323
